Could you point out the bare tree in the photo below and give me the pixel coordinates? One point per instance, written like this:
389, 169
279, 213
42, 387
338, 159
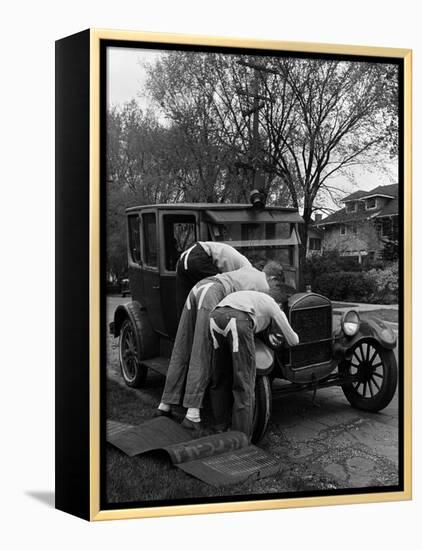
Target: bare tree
321, 119
295, 122
180, 85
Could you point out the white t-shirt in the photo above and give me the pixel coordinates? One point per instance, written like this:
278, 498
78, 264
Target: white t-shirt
224, 256
263, 309
245, 278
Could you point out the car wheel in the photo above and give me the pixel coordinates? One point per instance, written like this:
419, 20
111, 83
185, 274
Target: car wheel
262, 408
375, 370
133, 372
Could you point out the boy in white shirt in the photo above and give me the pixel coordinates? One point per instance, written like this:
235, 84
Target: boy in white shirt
233, 324
201, 260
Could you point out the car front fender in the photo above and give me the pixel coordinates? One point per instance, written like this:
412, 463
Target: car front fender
264, 358
373, 329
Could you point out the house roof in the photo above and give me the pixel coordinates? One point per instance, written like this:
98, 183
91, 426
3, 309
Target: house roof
354, 196
314, 226
391, 208
380, 190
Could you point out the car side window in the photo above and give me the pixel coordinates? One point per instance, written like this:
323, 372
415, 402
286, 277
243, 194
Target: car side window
134, 238
150, 239
179, 234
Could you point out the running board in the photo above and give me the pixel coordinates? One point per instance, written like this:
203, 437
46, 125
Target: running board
160, 364
157, 364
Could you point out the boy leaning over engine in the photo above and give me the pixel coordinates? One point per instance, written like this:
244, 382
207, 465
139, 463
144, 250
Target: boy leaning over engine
233, 325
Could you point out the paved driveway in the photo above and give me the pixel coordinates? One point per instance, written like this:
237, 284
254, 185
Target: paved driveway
323, 444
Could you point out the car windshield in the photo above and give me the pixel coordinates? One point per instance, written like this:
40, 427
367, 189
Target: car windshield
262, 242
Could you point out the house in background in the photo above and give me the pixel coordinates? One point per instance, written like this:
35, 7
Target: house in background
366, 228
315, 237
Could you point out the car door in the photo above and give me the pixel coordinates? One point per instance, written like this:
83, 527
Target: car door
179, 230
151, 271
136, 279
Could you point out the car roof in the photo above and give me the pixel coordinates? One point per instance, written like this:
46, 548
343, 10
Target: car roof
220, 213
205, 206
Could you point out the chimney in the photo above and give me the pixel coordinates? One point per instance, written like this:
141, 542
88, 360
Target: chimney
318, 218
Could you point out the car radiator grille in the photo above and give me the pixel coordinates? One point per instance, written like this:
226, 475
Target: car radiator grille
313, 327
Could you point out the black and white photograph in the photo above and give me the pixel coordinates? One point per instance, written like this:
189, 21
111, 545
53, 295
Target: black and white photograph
210, 274
252, 268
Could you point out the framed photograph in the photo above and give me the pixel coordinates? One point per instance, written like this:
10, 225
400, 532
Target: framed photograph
233, 274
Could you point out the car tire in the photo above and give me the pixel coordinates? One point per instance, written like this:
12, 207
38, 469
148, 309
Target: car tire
140, 339
262, 408
376, 370
133, 372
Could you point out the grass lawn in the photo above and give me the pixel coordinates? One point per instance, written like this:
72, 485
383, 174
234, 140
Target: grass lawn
152, 477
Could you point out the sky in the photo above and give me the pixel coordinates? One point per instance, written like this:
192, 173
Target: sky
126, 78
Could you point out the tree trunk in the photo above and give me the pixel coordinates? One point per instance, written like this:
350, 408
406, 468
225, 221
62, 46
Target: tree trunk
303, 247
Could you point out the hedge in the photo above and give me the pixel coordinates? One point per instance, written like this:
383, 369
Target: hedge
387, 283
346, 285
377, 286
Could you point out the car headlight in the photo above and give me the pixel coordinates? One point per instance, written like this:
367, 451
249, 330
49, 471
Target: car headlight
350, 322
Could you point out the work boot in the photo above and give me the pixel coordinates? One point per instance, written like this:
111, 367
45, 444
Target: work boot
159, 412
195, 427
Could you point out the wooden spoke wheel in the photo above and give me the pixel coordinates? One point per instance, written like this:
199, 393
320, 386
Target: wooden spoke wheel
374, 370
133, 372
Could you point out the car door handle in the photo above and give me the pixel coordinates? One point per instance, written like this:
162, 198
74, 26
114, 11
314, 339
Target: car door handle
156, 287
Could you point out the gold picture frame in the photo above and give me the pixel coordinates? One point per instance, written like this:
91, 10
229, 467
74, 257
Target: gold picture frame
87, 504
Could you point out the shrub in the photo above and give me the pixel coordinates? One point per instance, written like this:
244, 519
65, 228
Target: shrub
377, 286
387, 283
329, 261
344, 285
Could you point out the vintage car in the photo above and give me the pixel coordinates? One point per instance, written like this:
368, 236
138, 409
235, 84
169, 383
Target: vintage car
357, 355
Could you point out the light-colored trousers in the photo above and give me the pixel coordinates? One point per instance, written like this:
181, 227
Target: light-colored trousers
189, 371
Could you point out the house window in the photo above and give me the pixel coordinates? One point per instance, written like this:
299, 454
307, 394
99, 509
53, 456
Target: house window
351, 207
354, 228
134, 239
150, 239
314, 244
386, 228
342, 229
371, 203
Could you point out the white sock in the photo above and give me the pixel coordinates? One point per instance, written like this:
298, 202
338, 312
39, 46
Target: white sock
193, 415
164, 407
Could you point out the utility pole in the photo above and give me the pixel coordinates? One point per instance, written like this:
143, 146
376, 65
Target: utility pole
256, 176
